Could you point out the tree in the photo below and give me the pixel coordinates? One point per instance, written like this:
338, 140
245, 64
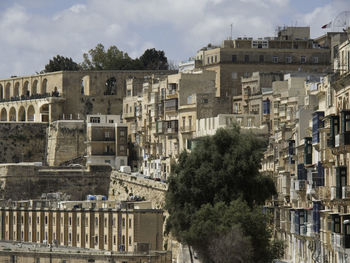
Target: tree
210, 185
59, 63
115, 59
154, 59
112, 59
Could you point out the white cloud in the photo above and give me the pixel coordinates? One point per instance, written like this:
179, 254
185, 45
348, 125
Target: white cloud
178, 27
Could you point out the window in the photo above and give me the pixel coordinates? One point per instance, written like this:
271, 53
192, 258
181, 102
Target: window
183, 121
105, 239
78, 221
95, 119
130, 225
105, 221
275, 59
190, 122
87, 238
246, 58
77, 237
261, 58
96, 240
123, 224
123, 239
234, 75
114, 222
315, 60
205, 101
216, 59
234, 58
288, 60
45, 220
302, 59
211, 59
208, 60
114, 240
111, 86
96, 221
111, 121
70, 220
129, 240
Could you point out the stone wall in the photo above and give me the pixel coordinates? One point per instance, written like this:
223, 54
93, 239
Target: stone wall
22, 142
66, 141
122, 185
27, 181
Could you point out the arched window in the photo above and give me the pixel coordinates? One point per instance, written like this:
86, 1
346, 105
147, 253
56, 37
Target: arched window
16, 90
7, 90
43, 87
3, 114
21, 114
111, 86
1, 92
25, 91
31, 113
12, 116
34, 89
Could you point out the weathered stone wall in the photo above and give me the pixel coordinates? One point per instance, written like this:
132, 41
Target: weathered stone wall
122, 185
66, 141
22, 142
20, 181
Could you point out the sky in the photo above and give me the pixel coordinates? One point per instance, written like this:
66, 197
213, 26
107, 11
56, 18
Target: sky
34, 31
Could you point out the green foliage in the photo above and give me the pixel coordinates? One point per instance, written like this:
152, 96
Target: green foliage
154, 59
115, 59
217, 187
60, 63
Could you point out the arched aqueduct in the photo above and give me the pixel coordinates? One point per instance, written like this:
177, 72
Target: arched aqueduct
26, 99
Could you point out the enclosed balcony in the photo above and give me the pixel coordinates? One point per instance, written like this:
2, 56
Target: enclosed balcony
317, 123
307, 150
170, 105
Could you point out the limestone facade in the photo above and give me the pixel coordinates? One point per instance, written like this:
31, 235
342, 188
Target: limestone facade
104, 225
289, 51
64, 95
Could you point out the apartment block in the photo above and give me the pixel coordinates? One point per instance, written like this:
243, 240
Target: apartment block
308, 157
290, 50
107, 141
162, 116
96, 224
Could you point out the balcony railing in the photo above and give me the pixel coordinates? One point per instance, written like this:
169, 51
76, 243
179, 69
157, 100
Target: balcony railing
186, 129
31, 97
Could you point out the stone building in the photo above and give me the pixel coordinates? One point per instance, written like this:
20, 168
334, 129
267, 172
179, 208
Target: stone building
106, 141
64, 95
162, 116
308, 157
291, 50
98, 224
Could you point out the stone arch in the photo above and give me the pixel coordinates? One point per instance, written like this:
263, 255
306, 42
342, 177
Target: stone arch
3, 116
31, 113
21, 114
25, 89
12, 114
43, 86
111, 86
1, 92
7, 90
34, 89
16, 90
85, 85
44, 113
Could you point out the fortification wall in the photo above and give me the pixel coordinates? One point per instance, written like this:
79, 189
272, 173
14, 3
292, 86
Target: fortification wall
22, 142
122, 185
26, 181
66, 141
